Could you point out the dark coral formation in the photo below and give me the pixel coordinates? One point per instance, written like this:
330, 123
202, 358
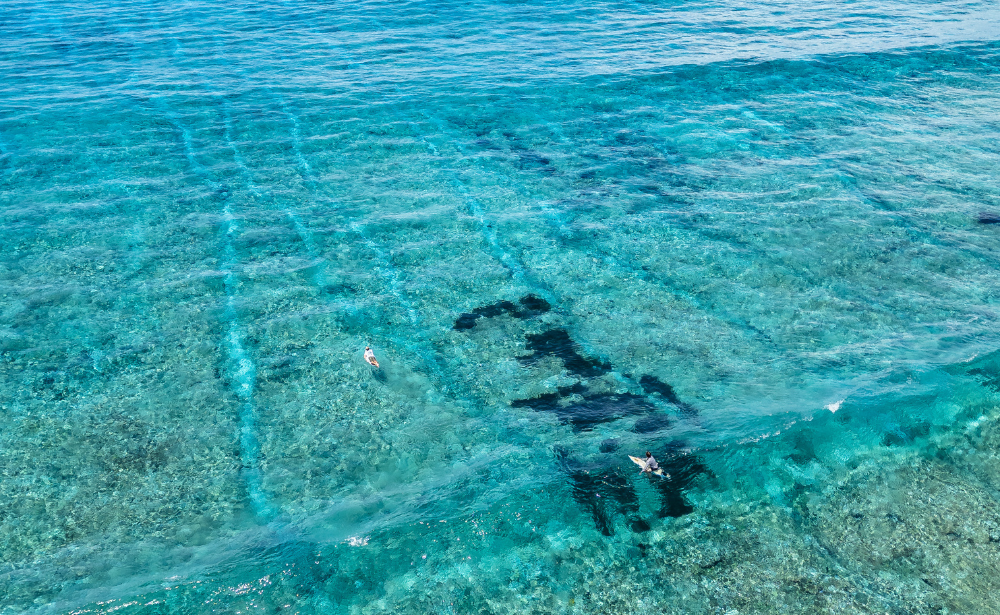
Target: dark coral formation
558, 343
468, 321
529, 306
652, 423
607, 491
601, 487
680, 468
988, 217
652, 384
598, 489
985, 369
594, 409
533, 305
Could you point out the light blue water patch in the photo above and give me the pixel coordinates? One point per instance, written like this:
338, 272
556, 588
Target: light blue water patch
757, 241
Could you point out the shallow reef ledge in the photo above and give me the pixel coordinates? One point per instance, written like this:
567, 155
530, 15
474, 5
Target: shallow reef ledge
911, 533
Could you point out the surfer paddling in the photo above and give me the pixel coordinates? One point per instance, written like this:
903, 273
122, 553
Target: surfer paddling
370, 357
650, 464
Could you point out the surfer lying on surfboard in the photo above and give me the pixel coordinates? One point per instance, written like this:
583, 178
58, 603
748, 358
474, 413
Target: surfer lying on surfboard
648, 464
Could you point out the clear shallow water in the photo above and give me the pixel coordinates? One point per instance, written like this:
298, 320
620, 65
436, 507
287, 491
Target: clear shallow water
570, 233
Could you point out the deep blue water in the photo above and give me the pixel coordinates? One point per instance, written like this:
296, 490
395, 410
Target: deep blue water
757, 240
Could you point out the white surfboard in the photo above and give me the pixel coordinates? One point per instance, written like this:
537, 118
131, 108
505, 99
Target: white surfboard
641, 462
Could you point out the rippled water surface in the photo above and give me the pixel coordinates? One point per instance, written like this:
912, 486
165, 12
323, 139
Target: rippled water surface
756, 240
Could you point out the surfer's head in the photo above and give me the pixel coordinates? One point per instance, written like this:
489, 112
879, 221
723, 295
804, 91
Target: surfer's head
648, 454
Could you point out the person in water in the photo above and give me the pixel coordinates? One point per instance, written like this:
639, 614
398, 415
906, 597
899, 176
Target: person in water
650, 465
370, 357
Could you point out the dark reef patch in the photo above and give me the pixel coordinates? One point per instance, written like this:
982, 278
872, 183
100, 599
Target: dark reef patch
280, 368
533, 305
589, 412
468, 321
607, 491
530, 306
639, 526
803, 440
905, 434
339, 289
465, 321
601, 408
989, 378
532, 161
598, 490
548, 402
586, 491
487, 144
496, 309
680, 468
602, 486
595, 408
988, 217
652, 423
558, 343
652, 384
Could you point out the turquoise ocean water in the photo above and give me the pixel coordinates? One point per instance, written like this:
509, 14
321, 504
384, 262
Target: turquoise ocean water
755, 239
